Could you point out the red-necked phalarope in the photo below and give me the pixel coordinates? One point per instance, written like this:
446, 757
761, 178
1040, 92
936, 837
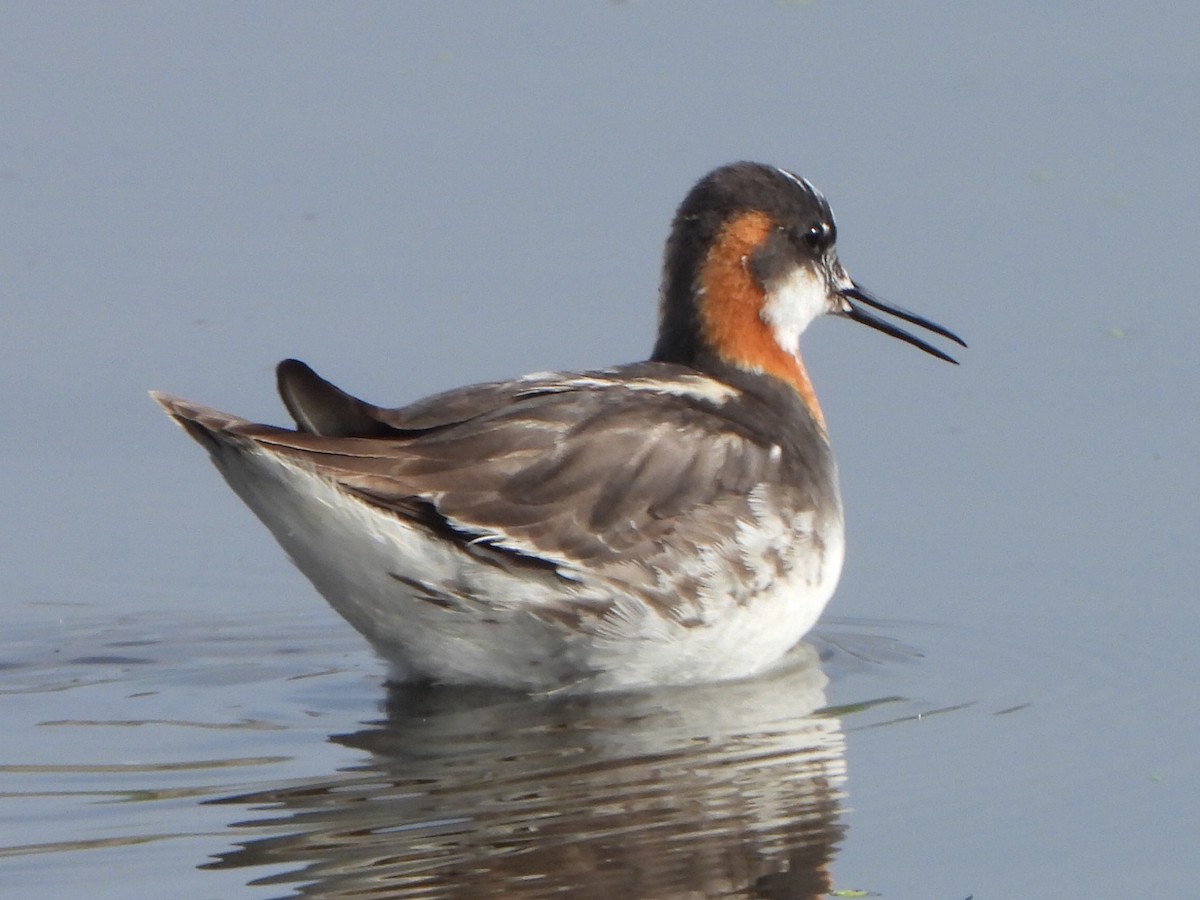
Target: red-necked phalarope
664, 522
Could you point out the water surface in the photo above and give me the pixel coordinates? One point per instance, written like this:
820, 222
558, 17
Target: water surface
417, 196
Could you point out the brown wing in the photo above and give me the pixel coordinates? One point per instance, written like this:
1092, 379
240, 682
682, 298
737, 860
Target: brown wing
643, 476
581, 477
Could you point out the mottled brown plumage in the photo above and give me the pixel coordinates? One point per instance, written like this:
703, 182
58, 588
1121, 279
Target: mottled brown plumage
580, 472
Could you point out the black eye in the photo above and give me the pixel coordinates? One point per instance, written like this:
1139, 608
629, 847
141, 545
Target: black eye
818, 237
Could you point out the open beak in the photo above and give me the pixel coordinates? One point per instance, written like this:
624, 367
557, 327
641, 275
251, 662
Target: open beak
853, 297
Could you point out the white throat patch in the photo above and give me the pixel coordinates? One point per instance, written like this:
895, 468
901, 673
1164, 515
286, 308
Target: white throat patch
792, 303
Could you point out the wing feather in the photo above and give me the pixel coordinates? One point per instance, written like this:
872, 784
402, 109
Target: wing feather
579, 476
597, 476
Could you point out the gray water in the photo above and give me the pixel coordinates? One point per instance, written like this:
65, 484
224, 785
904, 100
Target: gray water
1000, 701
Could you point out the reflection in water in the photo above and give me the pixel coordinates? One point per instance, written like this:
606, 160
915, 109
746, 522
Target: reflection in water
721, 790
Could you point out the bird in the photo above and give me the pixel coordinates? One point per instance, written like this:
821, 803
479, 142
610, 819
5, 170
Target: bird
658, 523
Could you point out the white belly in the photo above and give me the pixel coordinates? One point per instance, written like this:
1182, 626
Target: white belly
502, 633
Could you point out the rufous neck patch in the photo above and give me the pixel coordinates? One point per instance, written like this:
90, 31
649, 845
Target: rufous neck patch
730, 306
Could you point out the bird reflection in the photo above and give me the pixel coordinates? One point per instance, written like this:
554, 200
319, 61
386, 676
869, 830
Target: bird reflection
722, 790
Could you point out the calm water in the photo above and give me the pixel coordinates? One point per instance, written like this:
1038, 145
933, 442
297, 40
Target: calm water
1001, 702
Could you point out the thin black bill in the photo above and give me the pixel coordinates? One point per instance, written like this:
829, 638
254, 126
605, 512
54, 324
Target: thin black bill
858, 314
